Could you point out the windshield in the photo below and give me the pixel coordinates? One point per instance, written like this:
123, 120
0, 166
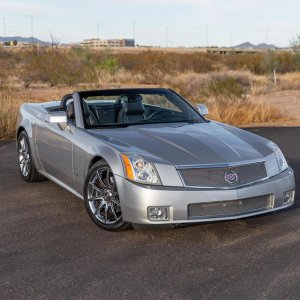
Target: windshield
135, 106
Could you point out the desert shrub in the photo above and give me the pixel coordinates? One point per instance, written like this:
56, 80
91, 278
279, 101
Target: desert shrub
225, 95
8, 113
196, 86
8, 66
56, 65
84, 54
289, 81
260, 85
285, 62
9, 106
110, 65
167, 62
188, 84
296, 60
261, 63
246, 62
242, 112
226, 88
3, 76
269, 62
193, 74
52, 67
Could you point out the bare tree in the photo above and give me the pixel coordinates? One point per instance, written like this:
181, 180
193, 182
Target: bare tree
55, 43
295, 43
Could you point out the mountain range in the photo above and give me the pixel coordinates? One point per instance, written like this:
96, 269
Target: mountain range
21, 39
249, 45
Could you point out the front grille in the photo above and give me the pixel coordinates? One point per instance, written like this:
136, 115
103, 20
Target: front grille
230, 208
214, 177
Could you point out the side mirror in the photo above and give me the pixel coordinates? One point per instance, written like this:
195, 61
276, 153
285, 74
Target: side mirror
202, 108
56, 117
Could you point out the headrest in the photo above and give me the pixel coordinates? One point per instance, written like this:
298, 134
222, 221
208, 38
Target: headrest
133, 108
64, 100
134, 98
70, 111
130, 98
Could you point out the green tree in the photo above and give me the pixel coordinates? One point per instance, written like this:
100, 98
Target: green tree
295, 45
270, 62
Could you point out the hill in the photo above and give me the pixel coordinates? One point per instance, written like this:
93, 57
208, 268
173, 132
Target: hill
21, 39
248, 45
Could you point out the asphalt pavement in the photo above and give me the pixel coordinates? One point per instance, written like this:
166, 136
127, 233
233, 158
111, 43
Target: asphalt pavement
50, 249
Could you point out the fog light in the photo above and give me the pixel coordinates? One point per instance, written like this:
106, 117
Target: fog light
288, 197
158, 213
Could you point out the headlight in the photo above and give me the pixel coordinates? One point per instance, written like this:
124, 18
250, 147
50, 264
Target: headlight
281, 161
140, 170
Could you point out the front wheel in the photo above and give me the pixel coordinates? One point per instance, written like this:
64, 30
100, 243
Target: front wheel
27, 167
102, 198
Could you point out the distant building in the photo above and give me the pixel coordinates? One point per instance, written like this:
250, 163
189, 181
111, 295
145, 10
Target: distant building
10, 43
216, 50
15, 43
97, 43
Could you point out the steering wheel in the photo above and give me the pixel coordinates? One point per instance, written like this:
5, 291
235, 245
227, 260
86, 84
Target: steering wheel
64, 100
160, 112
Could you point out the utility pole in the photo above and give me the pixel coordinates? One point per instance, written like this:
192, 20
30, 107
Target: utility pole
167, 37
98, 31
4, 28
231, 39
206, 36
267, 35
133, 30
31, 21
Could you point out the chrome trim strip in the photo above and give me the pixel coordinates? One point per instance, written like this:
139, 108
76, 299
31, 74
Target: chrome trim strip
218, 166
178, 168
63, 185
221, 188
235, 217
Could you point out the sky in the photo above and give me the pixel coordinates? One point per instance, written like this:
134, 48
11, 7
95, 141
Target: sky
174, 23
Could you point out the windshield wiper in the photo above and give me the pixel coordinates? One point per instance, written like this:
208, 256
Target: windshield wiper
142, 122
117, 125
111, 126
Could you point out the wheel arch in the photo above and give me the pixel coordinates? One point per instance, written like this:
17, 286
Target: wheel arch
19, 130
108, 155
95, 159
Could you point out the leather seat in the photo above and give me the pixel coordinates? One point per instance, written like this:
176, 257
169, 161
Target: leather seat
132, 110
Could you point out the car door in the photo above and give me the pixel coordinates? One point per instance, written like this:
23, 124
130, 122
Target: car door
54, 144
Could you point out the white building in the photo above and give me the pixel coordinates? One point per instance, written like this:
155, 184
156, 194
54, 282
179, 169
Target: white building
98, 43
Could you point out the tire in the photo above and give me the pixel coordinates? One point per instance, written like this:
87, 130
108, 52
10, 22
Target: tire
26, 164
102, 199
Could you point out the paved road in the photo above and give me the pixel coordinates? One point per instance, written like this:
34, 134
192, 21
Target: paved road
50, 249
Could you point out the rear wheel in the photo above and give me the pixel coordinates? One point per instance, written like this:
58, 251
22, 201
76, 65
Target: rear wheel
27, 167
102, 199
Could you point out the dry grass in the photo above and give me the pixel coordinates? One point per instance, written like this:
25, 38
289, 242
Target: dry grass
8, 113
289, 81
192, 84
243, 112
11, 100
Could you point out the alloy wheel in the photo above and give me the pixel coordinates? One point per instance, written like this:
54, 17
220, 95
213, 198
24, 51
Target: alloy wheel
103, 198
24, 157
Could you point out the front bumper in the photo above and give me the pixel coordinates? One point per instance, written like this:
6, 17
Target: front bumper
135, 199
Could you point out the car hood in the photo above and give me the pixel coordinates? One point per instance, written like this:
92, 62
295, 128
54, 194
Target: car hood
187, 144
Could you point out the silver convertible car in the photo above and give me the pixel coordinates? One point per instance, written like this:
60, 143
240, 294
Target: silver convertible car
146, 156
